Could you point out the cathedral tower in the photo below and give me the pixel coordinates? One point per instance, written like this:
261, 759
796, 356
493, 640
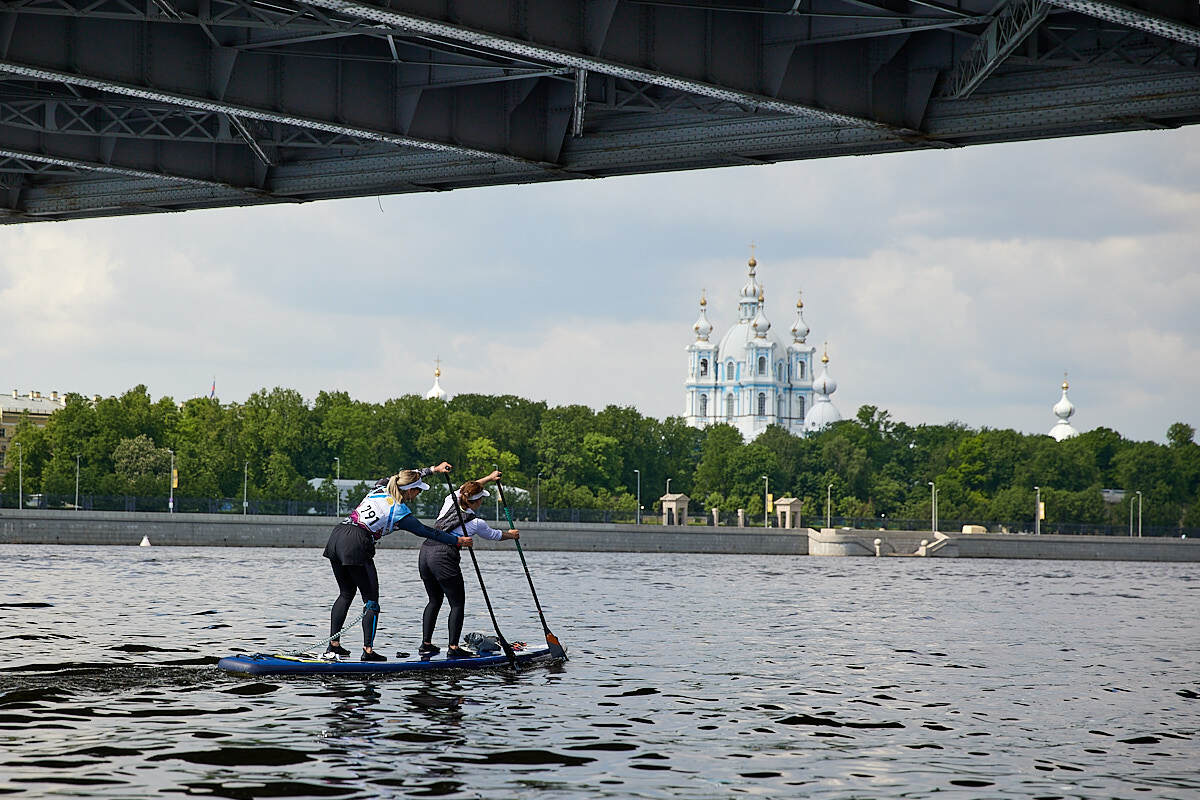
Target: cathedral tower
751, 380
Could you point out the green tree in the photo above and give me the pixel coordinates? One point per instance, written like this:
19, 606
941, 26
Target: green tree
141, 466
714, 473
1180, 435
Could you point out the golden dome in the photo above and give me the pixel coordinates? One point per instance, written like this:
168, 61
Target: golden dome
825, 355
800, 301
703, 300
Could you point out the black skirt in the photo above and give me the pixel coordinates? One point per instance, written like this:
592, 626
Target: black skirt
439, 561
350, 545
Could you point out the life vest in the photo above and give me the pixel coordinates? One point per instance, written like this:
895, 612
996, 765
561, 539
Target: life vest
448, 521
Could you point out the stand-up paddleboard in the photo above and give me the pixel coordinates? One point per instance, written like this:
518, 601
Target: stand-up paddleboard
265, 664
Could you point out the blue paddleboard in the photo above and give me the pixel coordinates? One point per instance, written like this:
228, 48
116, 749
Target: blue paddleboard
265, 664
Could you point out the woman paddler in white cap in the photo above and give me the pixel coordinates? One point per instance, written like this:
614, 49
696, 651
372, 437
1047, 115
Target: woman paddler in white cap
439, 563
351, 549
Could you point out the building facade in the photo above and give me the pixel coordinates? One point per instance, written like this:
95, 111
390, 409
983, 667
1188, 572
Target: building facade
751, 379
16, 405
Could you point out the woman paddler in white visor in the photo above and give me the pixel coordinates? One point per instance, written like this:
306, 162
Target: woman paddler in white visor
351, 549
439, 563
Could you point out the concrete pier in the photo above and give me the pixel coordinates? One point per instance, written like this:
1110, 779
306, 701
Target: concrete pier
852, 542
232, 530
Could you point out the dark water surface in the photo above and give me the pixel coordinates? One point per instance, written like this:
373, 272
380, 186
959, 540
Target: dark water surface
690, 676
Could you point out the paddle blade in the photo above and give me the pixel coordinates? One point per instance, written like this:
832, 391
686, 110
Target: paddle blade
556, 648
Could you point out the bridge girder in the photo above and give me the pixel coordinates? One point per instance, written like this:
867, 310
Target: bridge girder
124, 106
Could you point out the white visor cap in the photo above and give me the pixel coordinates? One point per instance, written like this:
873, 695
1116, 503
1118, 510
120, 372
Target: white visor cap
479, 494
417, 484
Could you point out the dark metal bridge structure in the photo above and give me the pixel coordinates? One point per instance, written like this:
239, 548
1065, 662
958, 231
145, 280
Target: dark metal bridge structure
112, 107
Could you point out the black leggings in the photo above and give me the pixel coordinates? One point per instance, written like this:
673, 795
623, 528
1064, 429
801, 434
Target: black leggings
353, 578
453, 590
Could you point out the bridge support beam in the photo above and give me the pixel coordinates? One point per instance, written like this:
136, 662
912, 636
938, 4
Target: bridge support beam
205, 104
562, 58
1134, 18
1012, 24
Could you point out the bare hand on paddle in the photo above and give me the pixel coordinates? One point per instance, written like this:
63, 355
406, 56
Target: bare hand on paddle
442, 467
512, 533
466, 541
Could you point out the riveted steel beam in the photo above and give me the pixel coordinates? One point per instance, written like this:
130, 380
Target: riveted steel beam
92, 166
206, 104
545, 54
127, 118
1134, 18
902, 27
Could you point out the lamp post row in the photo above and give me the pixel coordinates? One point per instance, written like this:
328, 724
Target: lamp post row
637, 516
766, 495
1037, 512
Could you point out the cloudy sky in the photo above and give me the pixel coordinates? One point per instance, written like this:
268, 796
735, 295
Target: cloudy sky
950, 286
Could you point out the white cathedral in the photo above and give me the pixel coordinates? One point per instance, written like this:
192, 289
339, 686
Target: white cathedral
751, 380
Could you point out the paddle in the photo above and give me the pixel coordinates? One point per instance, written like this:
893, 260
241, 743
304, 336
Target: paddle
508, 651
556, 648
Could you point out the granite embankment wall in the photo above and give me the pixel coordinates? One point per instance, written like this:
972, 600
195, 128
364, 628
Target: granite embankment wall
230, 530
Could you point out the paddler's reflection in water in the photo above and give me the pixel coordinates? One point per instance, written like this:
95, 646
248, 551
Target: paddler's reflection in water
352, 715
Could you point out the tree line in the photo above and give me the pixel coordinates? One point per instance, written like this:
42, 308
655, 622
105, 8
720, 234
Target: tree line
870, 466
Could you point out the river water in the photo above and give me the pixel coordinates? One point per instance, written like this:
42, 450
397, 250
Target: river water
691, 676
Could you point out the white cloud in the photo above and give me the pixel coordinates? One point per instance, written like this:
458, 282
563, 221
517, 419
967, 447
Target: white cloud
950, 286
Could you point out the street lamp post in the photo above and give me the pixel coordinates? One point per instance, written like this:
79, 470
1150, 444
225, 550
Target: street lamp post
77, 481
170, 484
766, 488
337, 486
20, 477
933, 510
1037, 511
1139, 494
538, 512
637, 517
245, 483
828, 501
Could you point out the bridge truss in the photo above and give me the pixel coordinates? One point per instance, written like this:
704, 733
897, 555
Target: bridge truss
112, 107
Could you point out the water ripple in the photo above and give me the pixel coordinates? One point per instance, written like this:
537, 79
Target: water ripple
690, 677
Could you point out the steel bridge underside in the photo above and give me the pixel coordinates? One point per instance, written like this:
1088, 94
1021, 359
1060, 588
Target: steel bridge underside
111, 107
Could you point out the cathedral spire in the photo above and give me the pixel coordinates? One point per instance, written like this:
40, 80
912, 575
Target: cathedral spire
825, 385
761, 325
702, 327
1063, 409
748, 297
436, 392
799, 327
823, 412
